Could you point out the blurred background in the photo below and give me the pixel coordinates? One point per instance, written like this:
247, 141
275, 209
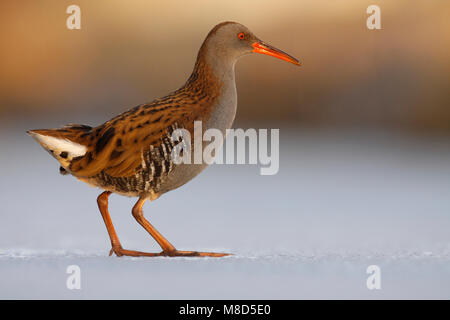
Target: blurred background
364, 160
127, 53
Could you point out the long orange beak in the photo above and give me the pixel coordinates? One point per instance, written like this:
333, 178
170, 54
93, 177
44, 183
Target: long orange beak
264, 48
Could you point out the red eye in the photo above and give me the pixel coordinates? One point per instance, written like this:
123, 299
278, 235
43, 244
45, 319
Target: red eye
241, 35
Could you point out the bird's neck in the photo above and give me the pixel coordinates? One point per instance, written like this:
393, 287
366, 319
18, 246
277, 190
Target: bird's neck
212, 85
213, 82
212, 73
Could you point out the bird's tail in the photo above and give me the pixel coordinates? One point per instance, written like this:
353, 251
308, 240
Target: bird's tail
65, 143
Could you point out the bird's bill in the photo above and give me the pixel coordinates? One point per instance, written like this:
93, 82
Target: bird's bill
264, 48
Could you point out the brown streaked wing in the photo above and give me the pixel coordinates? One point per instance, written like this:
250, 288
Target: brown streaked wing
117, 145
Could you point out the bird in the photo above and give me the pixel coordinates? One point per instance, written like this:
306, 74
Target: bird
130, 154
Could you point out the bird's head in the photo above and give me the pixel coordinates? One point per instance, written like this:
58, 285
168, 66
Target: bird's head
228, 41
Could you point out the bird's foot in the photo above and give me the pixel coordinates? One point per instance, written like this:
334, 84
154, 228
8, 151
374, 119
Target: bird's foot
119, 251
178, 253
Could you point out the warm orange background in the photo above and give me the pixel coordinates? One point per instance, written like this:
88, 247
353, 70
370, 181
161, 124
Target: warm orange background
129, 52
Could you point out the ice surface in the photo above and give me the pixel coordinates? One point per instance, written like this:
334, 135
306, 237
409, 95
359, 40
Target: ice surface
341, 202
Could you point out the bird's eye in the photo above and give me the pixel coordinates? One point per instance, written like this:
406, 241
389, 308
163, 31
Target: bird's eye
241, 35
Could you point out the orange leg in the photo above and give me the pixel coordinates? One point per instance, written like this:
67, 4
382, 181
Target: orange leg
102, 201
168, 249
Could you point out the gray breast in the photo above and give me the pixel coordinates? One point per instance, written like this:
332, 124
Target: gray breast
222, 117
